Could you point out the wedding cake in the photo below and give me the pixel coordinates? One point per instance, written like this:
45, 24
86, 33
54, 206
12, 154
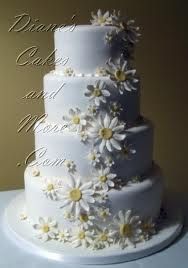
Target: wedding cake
93, 183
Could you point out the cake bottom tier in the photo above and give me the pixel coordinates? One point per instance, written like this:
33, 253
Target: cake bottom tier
143, 198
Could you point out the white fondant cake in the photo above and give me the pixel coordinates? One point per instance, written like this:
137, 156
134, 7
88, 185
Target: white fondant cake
93, 182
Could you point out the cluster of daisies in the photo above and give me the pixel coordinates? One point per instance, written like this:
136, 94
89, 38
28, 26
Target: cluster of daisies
124, 230
123, 26
85, 205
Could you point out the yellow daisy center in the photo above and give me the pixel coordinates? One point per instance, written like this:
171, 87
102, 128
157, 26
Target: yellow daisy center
75, 194
106, 133
101, 20
45, 228
62, 234
103, 214
97, 92
84, 218
125, 230
81, 235
50, 187
103, 178
93, 157
103, 237
76, 120
120, 75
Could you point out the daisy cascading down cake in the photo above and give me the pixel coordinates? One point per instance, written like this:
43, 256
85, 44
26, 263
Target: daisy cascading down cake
93, 182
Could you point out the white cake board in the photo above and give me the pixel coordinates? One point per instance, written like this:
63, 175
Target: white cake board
22, 234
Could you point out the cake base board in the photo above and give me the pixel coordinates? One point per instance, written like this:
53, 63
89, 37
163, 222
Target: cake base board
21, 233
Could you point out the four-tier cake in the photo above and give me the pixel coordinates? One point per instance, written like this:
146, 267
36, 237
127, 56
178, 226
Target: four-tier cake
93, 183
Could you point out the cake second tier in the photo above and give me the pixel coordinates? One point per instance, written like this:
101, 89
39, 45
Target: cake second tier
64, 93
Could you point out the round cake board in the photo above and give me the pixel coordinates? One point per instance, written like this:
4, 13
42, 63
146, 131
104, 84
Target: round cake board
21, 232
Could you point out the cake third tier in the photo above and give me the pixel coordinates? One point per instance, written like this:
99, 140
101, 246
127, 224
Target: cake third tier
55, 148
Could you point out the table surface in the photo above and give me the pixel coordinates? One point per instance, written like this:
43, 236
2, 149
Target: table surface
11, 256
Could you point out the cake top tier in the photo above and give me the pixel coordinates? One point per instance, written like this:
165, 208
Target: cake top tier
87, 48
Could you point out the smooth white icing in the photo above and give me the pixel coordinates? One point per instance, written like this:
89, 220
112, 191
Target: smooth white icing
85, 47
86, 50
143, 198
67, 145
70, 94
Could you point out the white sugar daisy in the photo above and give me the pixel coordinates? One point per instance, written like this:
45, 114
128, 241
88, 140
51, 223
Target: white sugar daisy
94, 157
97, 93
129, 31
76, 120
121, 74
93, 110
52, 188
70, 165
100, 71
110, 36
46, 229
128, 228
77, 196
103, 238
68, 72
107, 132
116, 17
103, 213
148, 229
63, 235
134, 179
101, 19
115, 108
108, 161
101, 196
81, 237
85, 220
127, 151
125, 26
83, 136
104, 179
